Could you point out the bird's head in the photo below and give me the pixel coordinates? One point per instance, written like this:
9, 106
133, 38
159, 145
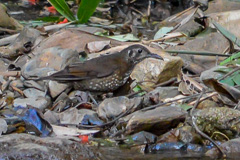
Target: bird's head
137, 53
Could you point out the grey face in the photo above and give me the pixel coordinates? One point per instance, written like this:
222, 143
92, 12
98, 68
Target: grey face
137, 53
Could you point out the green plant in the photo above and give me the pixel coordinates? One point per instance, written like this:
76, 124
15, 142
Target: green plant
85, 10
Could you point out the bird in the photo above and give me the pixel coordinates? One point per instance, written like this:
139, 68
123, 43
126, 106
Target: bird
105, 73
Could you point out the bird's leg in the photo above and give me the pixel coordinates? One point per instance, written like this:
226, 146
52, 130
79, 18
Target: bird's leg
92, 98
46, 89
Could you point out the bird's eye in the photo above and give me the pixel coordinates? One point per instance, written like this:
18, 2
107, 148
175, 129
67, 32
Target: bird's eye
130, 53
139, 50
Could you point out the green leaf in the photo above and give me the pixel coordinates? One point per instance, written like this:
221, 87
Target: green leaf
86, 9
236, 78
229, 81
234, 57
62, 7
137, 89
185, 107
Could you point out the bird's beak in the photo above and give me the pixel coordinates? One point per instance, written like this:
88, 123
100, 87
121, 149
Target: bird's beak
153, 55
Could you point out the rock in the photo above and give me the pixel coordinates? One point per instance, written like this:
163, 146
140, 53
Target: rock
27, 38
3, 66
185, 134
207, 104
144, 138
110, 108
56, 88
82, 116
72, 39
34, 93
62, 103
42, 64
152, 71
33, 84
218, 119
17, 83
159, 94
157, 121
204, 43
3, 126
24, 146
222, 6
231, 148
51, 117
39, 102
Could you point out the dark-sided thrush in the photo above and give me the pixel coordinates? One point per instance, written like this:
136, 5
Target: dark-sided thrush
105, 73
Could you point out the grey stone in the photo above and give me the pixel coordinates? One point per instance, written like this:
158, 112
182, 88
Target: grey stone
39, 103
157, 121
112, 107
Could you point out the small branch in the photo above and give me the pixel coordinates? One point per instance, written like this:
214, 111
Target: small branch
198, 130
161, 104
11, 74
166, 82
202, 53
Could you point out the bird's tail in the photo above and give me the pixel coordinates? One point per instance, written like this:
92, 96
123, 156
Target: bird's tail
39, 78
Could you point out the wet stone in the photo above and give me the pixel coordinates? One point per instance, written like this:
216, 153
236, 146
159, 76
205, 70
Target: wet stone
157, 121
231, 148
144, 138
24, 146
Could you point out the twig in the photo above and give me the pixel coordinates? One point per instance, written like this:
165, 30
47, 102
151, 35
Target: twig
11, 73
203, 98
224, 135
198, 130
161, 104
18, 90
202, 53
166, 82
8, 30
92, 98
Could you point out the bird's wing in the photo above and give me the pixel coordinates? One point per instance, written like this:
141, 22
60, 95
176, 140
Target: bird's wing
82, 71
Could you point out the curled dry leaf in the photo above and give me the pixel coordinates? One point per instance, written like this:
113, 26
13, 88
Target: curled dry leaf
97, 46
